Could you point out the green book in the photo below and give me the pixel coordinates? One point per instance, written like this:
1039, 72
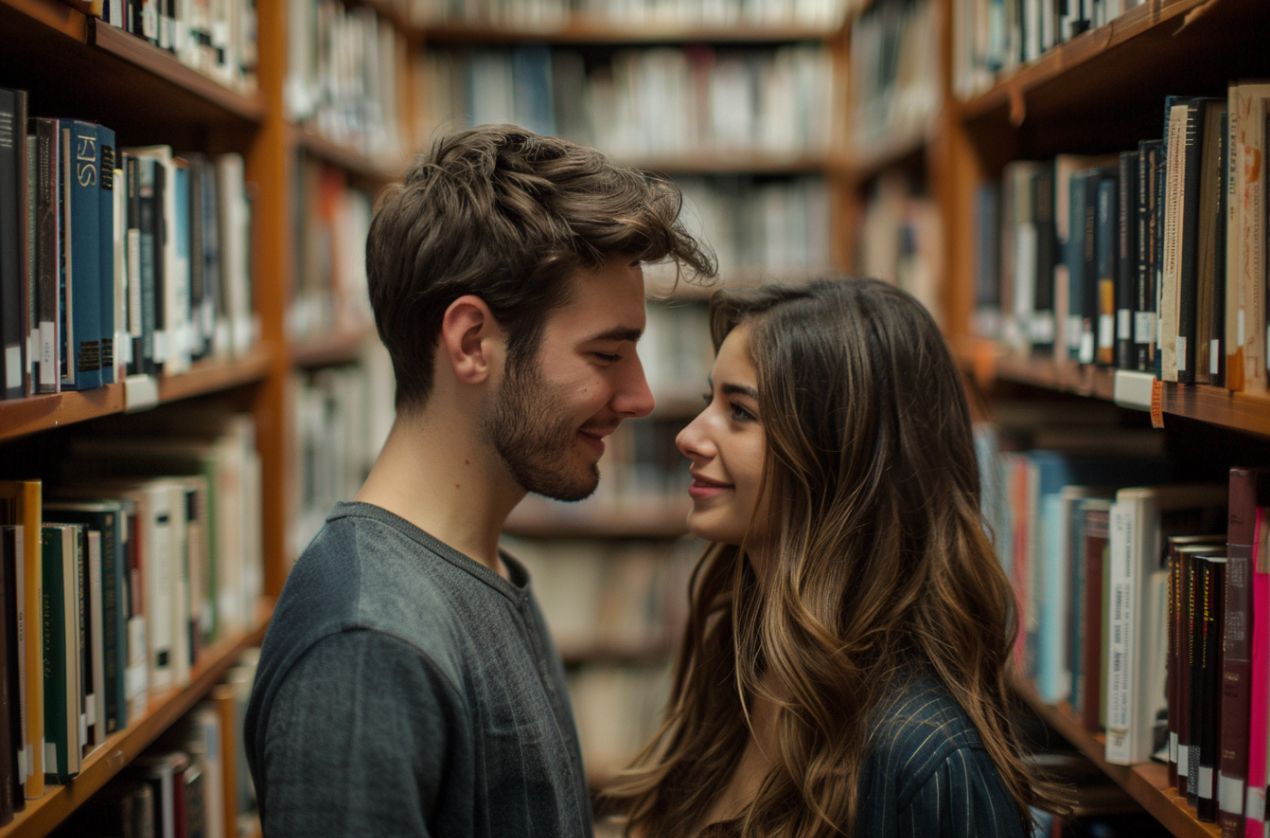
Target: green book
62, 693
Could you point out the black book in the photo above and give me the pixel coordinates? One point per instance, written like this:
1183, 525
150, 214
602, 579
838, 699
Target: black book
10, 788
1127, 262
1144, 295
1046, 256
199, 339
1210, 604
1217, 327
1105, 252
150, 225
136, 329
48, 219
1188, 259
11, 232
1091, 325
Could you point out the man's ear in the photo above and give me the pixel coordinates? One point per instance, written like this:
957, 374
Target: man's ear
471, 340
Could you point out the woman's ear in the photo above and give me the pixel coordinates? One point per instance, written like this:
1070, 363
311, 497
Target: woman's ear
471, 342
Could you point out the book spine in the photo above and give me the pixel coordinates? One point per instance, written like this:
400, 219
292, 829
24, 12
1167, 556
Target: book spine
1095, 547
1234, 354
133, 244
26, 227
1074, 257
150, 251
1188, 246
106, 251
1120, 721
1173, 682
1042, 334
1173, 195
1251, 148
1236, 647
15, 603
10, 257
1217, 327
10, 747
1259, 692
1213, 575
48, 257
1106, 271
1187, 778
83, 280
1126, 261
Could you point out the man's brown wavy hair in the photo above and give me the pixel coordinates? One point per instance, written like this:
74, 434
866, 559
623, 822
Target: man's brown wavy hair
509, 216
874, 565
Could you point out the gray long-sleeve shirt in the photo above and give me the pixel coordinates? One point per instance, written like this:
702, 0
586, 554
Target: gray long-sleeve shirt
405, 689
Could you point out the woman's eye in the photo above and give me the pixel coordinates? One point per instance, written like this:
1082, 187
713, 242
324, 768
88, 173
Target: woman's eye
740, 414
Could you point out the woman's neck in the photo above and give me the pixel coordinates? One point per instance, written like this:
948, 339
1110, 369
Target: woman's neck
757, 759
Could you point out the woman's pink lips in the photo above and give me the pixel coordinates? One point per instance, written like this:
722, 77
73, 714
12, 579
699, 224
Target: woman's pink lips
703, 488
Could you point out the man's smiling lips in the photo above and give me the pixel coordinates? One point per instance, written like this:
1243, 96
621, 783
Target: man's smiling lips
595, 436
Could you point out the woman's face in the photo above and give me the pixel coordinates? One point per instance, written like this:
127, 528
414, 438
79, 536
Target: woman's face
726, 444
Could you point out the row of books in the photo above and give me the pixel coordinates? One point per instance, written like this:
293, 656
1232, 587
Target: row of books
116, 580
901, 239
607, 595
991, 37
617, 709
194, 781
345, 76
215, 37
758, 225
342, 417
639, 104
1150, 260
546, 14
115, 261
332, 224
1144, 606
894, 77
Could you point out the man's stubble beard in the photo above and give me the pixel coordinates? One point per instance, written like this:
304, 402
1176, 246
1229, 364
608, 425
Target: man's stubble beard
525, 425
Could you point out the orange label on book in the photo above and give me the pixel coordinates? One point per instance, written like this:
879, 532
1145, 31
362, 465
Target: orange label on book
1157, 403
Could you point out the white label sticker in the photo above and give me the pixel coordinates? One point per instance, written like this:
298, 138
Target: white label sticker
1106, 331
1181, 354
1144, 327
1124, 323
160, 346
1087, 347
48, 341
1183, 761
1206, 782
50, 758
1230, 793
13, 366
1173, 747
1255, 803
1239, 328
1073, 333
1214, 357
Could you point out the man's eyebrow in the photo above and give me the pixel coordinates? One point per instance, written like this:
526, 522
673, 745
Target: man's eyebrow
740, 390
617, 334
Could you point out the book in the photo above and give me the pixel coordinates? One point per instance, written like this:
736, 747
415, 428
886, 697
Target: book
20, 505
62, 670
1105, 271
48, 223
12, 230
1259, 693
1136, 663
1182, 740
1217, 322
1249, 489
199, 734
1144, 328
12, 788
107, 517
1245, 258
106, 252
1210, 611
1095, 544
1199, 112
164, 770
81, 230
123, 807
1174, 197
1209, 181
1126, 262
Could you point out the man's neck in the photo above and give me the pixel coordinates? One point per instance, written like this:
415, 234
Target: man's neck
437, 473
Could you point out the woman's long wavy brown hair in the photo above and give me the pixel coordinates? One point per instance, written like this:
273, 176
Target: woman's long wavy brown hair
875, 564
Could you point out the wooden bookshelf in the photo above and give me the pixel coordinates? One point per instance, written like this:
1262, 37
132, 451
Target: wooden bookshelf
41, 816
339, 347
583, 30
864, 163
20, 417
1147, 783
349, 159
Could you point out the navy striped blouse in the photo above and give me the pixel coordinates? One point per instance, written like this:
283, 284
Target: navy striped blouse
927, 774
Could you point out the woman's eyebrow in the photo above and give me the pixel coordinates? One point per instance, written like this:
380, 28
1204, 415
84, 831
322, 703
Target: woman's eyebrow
740, 390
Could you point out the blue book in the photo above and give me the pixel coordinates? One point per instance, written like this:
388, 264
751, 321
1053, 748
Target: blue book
181, 336
106, 247
82, 172
531, 70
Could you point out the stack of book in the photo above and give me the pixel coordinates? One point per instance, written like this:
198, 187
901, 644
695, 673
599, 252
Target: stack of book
991, 37
115, 261
342, 76
1145, 260
116, 580
649, 104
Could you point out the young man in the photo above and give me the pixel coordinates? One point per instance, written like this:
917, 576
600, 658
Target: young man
407, 685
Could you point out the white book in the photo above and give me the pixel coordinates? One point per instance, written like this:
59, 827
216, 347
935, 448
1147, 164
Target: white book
1134, 681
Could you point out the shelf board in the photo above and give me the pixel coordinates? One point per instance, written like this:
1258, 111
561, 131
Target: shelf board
584, 30
19, 417
726, 162
339, 347
863, 163
163, 64
1134, 51
536, 518
1213, 405
1147, 783
349, 159
41, 816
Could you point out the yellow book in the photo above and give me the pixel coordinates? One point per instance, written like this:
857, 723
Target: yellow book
20, 505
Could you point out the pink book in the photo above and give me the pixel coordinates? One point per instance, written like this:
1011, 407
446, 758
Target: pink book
1254, 809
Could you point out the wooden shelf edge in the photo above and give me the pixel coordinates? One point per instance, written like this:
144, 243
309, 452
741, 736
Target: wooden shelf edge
864, 163
1146, 783
138, 51
584, 30
985, 361
1083, 48
43, 815
21, 417
55, 15
340, 347
349, 159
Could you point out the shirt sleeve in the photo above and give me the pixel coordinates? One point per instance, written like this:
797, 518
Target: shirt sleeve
962, 798
357, 741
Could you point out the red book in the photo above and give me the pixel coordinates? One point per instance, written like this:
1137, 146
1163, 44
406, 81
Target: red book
1093, 552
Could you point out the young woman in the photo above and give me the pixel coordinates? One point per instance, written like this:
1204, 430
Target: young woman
844, 667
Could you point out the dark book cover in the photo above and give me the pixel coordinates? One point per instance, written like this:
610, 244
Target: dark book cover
106, 518
199, 338
211, 255
48, 255
11, 218
1097, 536
1105, 249
62, 701
1186, 658
132, 241
1188, 264
1217, 325
1186, 677
1161, 181
150, 223
82, 171
1074, 258
1042, 332
106, 251
1089, 270
1211, 566
987, 262
1173, 682
1126, 261
195, 801
84, 604
26, 246
1210, 239
124, 808
1144, 295
1249, 489
11, 548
